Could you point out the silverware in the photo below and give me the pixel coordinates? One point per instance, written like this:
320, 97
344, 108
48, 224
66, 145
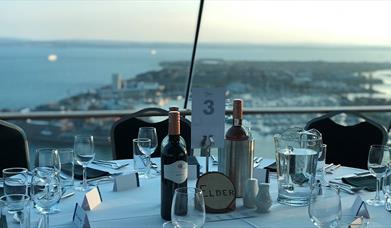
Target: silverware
332, 168
66, 195
328, 166
110, 165
257, 162
96, 181
346, 186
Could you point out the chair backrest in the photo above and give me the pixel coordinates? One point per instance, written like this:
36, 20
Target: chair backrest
14, 146
348, 145
126, 129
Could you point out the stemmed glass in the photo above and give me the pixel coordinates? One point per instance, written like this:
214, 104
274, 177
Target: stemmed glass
188, 207
325, 206
84, 154
378, 161
48, 158
147, 148
45, 191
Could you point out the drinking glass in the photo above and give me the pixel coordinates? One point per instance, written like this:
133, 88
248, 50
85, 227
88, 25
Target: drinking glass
67, 171
139, 160
84, 154
320, 171
147, 148
387, 189
49, 158
188, 207
45, 191
378, 161
15, 180
15, 211
325, 206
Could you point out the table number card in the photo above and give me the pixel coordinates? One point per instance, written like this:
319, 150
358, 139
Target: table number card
80, 218
208, 111
92, 199
126, 182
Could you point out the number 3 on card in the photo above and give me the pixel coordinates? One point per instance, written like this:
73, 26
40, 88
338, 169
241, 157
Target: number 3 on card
208, 110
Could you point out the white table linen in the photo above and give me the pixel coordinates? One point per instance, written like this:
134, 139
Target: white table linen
141, 207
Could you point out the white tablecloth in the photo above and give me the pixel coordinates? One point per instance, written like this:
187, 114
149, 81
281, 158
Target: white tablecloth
141, 208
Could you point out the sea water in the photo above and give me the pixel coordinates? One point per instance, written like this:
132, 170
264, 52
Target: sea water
296, 169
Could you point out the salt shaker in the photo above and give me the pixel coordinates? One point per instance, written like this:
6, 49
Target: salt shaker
250, 192
263, 200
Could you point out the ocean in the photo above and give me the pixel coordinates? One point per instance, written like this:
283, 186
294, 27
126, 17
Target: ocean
28, 78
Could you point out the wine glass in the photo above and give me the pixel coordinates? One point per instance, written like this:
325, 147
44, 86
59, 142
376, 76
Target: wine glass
45, 191
145, 148
188, 207
325, 206
378, 161
48, 158
84, 154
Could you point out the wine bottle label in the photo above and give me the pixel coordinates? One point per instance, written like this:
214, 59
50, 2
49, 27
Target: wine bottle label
176, 172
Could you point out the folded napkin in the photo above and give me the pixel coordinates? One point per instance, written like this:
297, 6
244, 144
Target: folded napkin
272, 167
368, 182
91, 173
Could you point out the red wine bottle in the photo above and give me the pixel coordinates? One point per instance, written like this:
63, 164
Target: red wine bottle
237, 132
165, 140
173, 165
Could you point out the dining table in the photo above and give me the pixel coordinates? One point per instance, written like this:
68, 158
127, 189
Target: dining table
140, 206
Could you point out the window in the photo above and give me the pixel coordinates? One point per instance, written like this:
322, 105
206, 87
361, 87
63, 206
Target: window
91, 55
296, 53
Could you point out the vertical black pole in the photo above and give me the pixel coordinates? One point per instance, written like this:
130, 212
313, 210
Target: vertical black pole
189, 79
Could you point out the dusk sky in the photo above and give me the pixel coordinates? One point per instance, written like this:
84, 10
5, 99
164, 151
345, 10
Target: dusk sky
245, 21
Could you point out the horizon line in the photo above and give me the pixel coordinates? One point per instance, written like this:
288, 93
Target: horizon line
216, 43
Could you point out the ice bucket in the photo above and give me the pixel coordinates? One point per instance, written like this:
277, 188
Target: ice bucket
297, 153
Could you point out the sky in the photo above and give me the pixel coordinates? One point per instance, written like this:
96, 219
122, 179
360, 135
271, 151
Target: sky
352, 22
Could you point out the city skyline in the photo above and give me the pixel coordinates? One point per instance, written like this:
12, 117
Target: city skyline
254, 22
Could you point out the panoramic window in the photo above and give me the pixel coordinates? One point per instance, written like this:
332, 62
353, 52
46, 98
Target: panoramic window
91, 55
296, 54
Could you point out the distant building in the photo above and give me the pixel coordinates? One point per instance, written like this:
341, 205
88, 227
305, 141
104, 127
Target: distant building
117, 82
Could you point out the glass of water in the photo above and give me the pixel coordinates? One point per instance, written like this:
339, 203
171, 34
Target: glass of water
15, 180
84, 154
378, 161
325, 206
15, 211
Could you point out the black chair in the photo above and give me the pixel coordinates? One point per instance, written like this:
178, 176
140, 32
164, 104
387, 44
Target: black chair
126, 129
348, 145
14, 146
